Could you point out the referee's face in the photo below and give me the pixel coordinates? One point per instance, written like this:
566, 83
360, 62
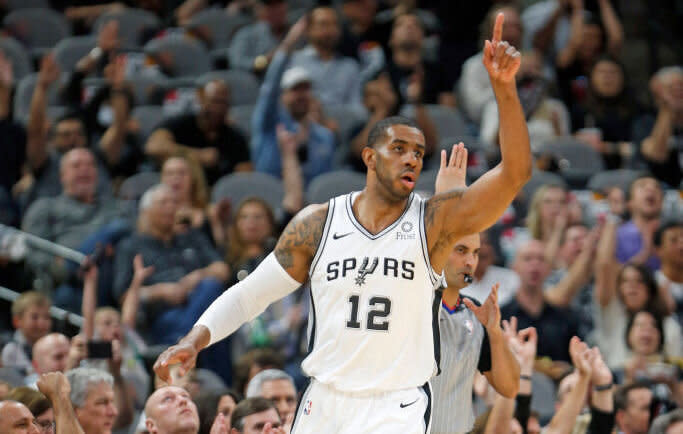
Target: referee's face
462, 261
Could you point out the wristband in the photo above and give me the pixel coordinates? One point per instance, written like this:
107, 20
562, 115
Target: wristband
525, 377
603, 387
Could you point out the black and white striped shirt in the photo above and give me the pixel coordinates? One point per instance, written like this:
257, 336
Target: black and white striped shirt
464, 349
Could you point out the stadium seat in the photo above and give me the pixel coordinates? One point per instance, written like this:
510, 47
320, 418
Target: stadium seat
188, 57
328, 185
241, 185
244, 87
240, 118
133, 23
216, 27
15, 53
148, 89
426, 181
601, 182
149, 117
135, 186
39, 29
448, 121
24, 93
577, 160
348, 119
70, 50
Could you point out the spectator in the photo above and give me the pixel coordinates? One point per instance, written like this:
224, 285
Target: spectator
169, 410
80, 218
84, 13
604, 118
254, 415
278, 387
335, 79
668, 423
31, 320
250, 235
38, 405
361, 39
474, 89
632, 404
188, 274
556, 325
44, 153
254, 361
623, 293
204, 135
547, 118
13, 134
635, 237
657, 137
486, 274
53, 353
315, 148
93, 400
668, 243
16, 418
415, 80
211, 403
253, 46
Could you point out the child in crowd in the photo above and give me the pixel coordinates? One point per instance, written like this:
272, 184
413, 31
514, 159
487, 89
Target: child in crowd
31, 321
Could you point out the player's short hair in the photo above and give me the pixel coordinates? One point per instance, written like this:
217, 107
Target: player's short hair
27, 300
621, 394
82, 379
379, 130
248, 407
255, 386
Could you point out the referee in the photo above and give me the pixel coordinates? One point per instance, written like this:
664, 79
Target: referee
471, 338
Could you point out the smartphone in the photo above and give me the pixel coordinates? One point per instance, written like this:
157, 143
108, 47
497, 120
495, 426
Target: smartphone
99, 350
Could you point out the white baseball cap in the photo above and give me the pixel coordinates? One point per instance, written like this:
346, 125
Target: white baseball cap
294, 76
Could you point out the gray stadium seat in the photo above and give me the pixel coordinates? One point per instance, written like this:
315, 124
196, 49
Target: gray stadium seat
216, 26
149, 117
24, 93
38, 28
426, 181
132, 25
577, 160
189, 57
148, 89
328, 185
348, 118
135, 186
241, 185
240, 118
244, 87
15, 53
449, 122
70, 50
622, 178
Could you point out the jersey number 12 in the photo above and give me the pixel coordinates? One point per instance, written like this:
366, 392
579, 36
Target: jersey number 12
382, 309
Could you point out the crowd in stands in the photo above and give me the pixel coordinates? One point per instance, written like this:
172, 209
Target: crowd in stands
171, 141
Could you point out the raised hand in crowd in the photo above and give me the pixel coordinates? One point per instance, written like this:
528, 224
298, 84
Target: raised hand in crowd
56, 388
6, 82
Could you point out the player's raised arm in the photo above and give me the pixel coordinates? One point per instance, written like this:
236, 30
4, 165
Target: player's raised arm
282, 272
456, 213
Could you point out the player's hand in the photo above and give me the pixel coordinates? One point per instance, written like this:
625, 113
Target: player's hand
501, 59
454, 173
183, 354
54, 386
488, 313
582, 356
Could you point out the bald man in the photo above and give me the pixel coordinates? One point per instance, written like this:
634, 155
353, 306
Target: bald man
556, 325
206, 135
170, 410
16, 418
51, 354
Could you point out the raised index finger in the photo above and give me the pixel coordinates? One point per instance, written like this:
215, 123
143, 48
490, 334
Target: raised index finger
498, 27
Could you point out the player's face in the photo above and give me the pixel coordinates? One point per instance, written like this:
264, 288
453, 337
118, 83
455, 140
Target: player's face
399, 160
462, 261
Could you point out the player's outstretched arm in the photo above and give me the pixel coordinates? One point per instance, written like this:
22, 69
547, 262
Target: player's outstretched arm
282, 272
456, 213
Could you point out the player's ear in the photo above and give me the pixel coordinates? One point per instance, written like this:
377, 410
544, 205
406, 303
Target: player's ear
369, 156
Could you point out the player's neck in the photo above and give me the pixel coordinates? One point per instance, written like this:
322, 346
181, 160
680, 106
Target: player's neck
374, 212
451, 296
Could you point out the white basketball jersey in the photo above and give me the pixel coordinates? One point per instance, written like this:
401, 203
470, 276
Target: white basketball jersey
373, 325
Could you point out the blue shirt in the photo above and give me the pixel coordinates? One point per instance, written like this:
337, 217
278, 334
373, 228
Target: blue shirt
630, 243
268, 113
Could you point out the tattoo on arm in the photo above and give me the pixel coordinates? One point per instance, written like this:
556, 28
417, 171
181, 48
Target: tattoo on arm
433, 208
303, 232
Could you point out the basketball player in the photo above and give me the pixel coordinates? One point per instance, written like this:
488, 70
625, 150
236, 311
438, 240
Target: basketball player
471, 339
373, 259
